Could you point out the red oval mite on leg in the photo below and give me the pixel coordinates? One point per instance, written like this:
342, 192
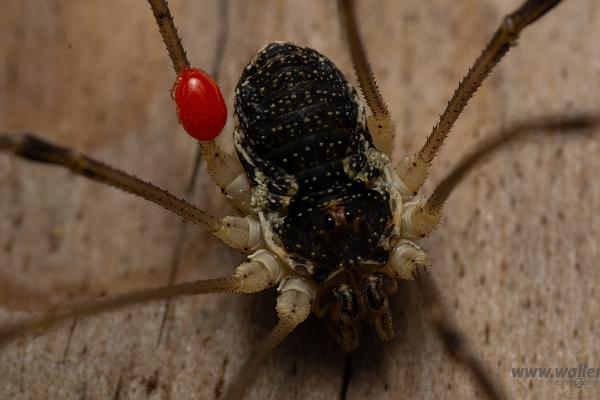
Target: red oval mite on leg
200, 105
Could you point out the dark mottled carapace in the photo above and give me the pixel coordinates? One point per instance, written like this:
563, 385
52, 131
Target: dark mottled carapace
302, 138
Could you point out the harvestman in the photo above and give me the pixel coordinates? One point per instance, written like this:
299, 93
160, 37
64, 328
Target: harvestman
413, 218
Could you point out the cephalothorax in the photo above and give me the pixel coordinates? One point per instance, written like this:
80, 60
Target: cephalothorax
327, 217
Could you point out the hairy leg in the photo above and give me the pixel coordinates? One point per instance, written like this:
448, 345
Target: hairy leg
380, 122
423, 215
233, 231
225, 169
413, 169
250, 277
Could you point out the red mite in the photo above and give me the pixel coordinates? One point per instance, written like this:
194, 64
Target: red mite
200, 105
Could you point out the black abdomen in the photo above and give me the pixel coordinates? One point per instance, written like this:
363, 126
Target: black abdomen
302, 137
300, 128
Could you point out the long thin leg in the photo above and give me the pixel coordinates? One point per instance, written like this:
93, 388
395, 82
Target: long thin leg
222, 33
436, 201
451, 337
167, 29
249, 277
413, 169
380, 122
233, 231
222, 167
293, 307
426, 213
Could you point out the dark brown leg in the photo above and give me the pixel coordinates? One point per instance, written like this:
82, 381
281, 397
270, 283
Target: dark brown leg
428, 211
222, 167
168, 31
233, 231
380, 122
249, 277
413, 169
546, 125
223, 18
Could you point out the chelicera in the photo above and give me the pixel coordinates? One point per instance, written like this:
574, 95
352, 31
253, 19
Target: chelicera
329, 219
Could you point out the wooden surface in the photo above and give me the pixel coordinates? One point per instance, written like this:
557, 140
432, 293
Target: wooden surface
516, 255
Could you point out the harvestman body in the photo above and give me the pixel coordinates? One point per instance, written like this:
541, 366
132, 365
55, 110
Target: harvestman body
329, 219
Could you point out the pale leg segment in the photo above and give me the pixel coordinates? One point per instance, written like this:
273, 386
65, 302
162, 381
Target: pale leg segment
227, 172
405, 259
293, 307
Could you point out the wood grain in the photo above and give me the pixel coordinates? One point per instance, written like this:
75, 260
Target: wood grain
516, 256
